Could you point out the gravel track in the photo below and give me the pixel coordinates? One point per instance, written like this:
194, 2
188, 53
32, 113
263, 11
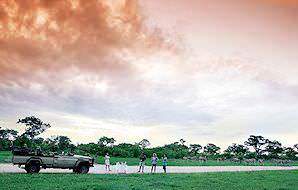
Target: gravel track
100, 169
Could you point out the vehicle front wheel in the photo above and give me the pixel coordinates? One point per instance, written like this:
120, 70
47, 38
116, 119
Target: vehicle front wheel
83, 169
75, 170
32, 168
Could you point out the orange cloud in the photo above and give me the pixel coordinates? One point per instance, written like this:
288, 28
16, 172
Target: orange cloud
290, 3
42, 37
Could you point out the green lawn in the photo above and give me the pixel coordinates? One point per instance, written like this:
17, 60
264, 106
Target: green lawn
180, 162
273, 180
5, 157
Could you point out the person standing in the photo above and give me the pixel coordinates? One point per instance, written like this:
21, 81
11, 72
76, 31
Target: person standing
107, 162
154, 160
164, 163
143, 158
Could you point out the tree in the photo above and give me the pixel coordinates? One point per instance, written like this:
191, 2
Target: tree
106, 141
34, 126
22, 141
131, 150
37, 142
51, 144
63, 142
88, 149
236, 149
173, 150
8, 133
182, 141
274, 149
6, 138
144, 143
296, 147
290, 153
211, 149
256, 142
56, 144
195, 149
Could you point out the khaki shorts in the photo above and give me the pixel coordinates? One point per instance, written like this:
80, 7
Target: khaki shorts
142, 163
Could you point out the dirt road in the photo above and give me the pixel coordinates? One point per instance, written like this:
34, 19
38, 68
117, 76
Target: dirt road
100, 169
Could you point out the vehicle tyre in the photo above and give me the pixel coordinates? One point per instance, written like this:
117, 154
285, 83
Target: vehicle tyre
83, 169
32, 168
75, 170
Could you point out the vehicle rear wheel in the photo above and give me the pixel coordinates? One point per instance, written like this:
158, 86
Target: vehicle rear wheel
83, 169
32, 168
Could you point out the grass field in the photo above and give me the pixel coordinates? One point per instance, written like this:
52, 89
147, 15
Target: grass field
273, 180
180, 162
5, 157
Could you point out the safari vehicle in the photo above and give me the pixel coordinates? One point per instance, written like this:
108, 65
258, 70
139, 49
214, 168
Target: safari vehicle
35, 160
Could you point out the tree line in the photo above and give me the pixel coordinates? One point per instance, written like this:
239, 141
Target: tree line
257, 147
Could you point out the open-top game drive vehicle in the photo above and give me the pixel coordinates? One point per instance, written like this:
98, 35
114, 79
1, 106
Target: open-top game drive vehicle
35, 160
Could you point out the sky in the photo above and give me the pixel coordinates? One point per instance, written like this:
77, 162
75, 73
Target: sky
207, 71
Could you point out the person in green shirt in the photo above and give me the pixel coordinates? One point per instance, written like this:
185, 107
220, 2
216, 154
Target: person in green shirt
143, 158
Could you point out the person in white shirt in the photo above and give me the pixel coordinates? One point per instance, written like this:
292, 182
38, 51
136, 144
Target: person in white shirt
154, 160
107, 162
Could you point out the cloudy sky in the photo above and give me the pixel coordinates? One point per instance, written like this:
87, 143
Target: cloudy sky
202, 70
